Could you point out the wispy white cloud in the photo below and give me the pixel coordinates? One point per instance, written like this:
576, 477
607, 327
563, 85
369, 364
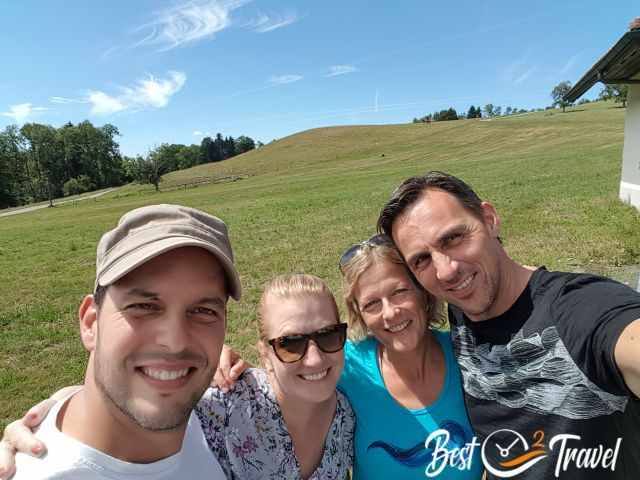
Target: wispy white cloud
65, 100
21, 112
335, 70
149, 92
283, 79
198, 133
267, 23
524, 76
187, 23
519, 70
111, 51
569, 64
351, 112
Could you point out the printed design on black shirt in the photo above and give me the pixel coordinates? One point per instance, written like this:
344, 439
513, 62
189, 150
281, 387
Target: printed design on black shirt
536, 373
418, 455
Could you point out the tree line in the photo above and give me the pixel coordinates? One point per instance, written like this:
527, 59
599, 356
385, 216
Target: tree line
617, 93
39, 162
488, 111
170, 157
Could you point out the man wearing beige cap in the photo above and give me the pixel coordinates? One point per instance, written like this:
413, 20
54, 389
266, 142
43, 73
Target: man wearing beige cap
154, 329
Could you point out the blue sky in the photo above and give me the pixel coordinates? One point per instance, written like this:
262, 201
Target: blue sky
173, 71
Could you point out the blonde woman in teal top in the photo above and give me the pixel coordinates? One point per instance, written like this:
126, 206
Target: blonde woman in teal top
400, 374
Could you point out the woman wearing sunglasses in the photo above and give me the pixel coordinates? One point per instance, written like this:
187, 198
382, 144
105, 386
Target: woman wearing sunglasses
400, 375
286, 421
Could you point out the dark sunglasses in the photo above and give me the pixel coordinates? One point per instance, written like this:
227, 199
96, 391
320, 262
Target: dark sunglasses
292, 348
375, 241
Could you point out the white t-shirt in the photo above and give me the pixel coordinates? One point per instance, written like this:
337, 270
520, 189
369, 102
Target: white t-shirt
69, 459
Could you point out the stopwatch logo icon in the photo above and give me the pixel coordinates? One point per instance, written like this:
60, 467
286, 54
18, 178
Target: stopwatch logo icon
505, 453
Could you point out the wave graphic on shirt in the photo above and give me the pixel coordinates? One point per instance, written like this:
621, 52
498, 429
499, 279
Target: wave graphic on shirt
418, 455
535, 373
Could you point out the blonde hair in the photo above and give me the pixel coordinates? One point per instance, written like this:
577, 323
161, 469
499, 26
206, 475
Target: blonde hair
367, 255
296, 285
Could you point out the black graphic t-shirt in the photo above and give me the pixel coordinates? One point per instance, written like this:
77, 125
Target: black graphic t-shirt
543, 391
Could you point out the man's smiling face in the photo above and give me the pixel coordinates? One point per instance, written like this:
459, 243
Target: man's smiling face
158, 337
453, 253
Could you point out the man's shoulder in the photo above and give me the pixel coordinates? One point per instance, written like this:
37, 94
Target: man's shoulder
62, 461
48, 468
586, 294
197, 461
63, 458
563, 283
70, 459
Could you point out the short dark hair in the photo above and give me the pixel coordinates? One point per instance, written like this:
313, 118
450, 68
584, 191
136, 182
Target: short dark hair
98, 295
412, 189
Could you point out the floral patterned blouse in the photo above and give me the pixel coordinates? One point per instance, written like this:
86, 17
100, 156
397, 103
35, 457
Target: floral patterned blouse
246, 431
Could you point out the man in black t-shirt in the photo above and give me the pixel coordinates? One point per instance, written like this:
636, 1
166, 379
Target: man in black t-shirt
550, 361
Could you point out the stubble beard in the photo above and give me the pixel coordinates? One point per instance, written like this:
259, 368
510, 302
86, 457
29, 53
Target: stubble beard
491, 292
118, 395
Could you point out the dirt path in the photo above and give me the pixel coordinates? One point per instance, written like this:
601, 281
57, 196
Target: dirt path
38, 207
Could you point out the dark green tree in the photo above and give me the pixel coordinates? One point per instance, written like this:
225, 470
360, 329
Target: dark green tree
617, 93
488, 110
188, 156
12, 176
152, 168
559, 93
244, 144
218, 146
228, 148
46, 156
206, 150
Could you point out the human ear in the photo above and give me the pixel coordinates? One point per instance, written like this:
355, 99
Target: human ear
491, 218
88, 318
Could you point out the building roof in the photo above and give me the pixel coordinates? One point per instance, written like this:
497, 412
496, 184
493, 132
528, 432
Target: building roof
621, 64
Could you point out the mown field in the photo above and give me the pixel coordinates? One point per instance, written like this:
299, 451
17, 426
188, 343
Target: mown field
553, 178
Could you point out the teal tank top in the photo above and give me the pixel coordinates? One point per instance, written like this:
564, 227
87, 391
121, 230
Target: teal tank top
391, 440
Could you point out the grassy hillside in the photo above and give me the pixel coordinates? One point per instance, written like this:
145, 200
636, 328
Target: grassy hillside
553, 177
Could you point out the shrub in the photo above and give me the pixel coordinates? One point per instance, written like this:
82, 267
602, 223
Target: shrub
75, 186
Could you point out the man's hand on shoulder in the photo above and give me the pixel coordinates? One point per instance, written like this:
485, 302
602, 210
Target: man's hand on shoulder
627, 356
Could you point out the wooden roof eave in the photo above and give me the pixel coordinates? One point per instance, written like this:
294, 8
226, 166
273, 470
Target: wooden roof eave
627, 48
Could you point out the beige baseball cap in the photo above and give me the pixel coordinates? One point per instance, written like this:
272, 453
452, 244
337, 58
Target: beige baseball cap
146, 232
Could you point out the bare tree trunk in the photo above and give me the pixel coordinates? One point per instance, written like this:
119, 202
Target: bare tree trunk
50, 194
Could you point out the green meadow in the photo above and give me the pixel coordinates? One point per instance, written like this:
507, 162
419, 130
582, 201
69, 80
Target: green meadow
303, 199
